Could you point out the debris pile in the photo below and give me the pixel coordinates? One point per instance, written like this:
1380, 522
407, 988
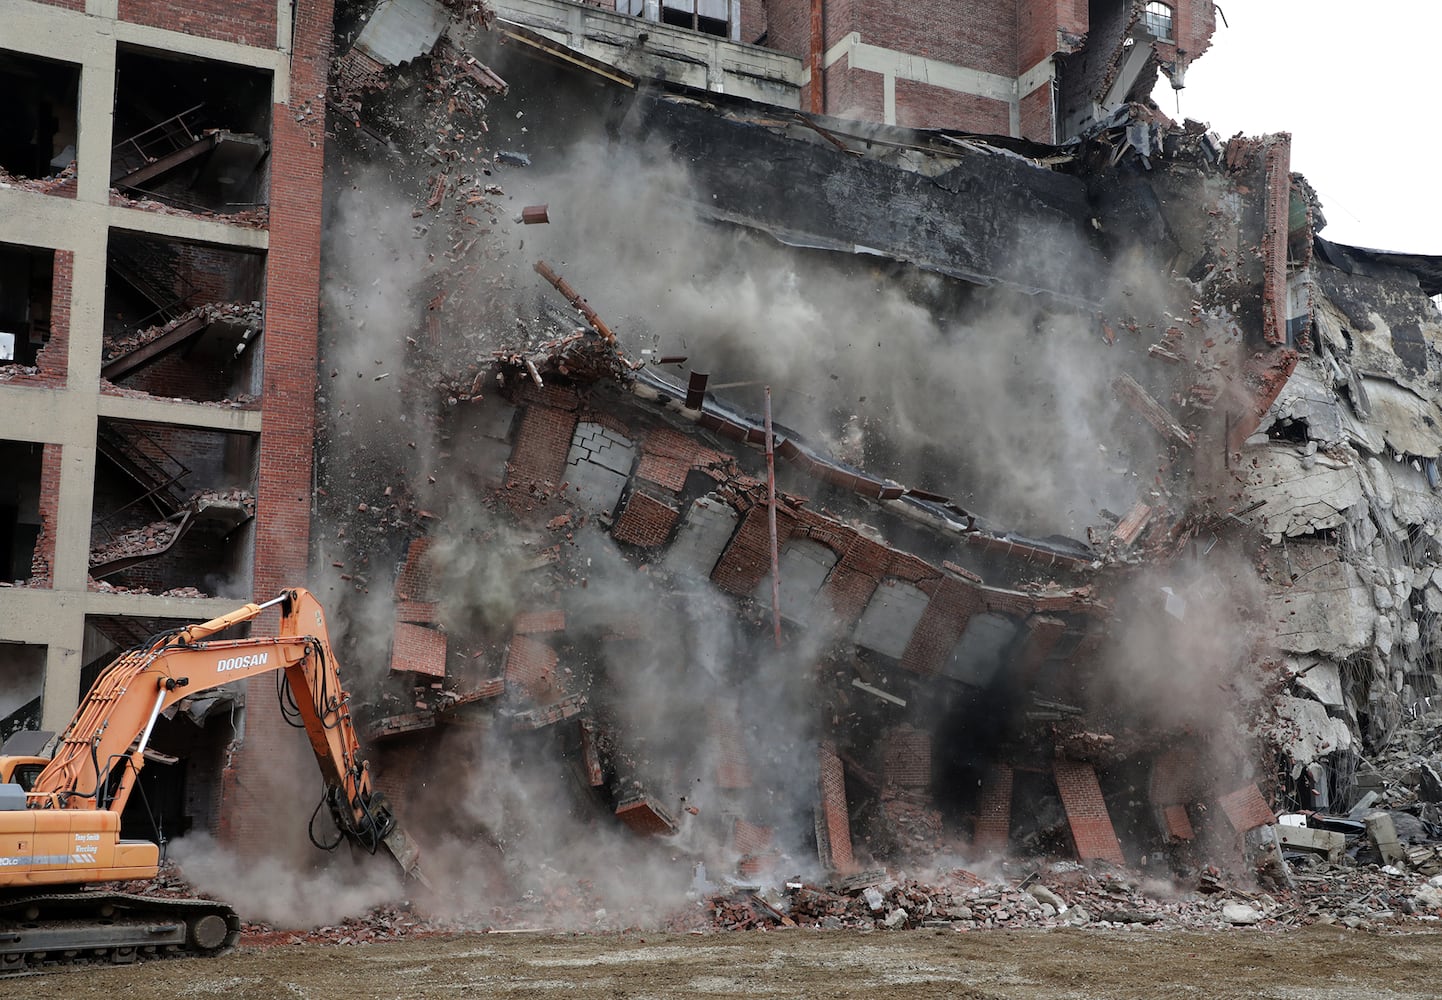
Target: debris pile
247, 314
257, 217
61, 183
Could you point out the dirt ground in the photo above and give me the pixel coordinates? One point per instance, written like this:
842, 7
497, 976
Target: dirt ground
1310, 964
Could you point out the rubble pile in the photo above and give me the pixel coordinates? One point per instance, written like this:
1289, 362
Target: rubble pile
240, 400
61, 183
149, 539
1064, 894
17, 372
254, 218
247, 314
1405, 773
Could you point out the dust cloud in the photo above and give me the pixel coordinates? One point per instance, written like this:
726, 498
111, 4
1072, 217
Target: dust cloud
996, 399
285, 892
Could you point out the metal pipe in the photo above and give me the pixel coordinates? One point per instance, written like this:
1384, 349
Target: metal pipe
771, 522
574, 297
818, 45
154, 714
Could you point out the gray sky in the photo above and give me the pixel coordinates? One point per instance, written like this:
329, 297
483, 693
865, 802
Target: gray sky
1355, 85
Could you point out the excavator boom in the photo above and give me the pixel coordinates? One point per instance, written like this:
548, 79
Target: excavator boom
66, 829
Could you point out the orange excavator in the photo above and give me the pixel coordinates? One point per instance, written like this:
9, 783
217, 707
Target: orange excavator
63, 832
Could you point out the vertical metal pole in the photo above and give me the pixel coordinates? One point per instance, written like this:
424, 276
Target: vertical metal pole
818, 47
771, 521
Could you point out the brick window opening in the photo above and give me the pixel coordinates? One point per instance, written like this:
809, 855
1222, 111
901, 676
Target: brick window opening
26, 281
710, 17
191, 133
183, 319
38, 116
1158, 21
20, 494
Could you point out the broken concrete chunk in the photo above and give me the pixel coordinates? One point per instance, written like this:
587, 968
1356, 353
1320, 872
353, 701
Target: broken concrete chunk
1240, 914
1044, 895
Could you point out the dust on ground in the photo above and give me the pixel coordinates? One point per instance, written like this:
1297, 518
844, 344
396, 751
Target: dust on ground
1315, 963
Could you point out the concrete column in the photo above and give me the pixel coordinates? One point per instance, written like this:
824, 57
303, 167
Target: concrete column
95, 122
62, 667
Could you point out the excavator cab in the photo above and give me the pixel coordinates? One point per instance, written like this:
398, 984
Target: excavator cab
21, 759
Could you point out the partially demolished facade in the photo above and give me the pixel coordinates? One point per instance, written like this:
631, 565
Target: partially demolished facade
1119, 541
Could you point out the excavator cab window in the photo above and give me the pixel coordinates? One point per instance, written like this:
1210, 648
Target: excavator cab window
24, 775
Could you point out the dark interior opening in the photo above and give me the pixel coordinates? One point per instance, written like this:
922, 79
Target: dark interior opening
27, 277
192, 132
38, 115
19, 507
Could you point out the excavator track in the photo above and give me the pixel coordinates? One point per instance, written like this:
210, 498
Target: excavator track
48, 930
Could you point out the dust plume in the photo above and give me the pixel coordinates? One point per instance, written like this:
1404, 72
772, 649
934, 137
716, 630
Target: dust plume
285, 892
983, 395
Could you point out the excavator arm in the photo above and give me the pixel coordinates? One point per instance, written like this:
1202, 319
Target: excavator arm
85, 786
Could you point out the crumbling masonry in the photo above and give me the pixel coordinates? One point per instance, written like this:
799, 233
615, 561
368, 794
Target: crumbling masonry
1097, 516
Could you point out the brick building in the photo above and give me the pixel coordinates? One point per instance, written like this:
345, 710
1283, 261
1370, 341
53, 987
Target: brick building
159, 265
1036, 69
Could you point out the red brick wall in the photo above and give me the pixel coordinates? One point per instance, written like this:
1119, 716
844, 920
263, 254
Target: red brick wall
1086, 812
53, 359
942, 623
993, 812
753, 20
906, 758
531, 667
42, 562
532, 622
750, 838
1246, 809
645, 521
272, 750
834, 824
1037, 119
414, 581
853, 579
733, 769
174, 376
747, 559
854, 93
1176, 777
920, 105
979, 34
542, 443
788, 26
668, 456
418, 649
1042, 635
249, 22
219, 275
1193, 22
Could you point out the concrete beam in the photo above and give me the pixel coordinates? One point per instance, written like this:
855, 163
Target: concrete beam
232, 420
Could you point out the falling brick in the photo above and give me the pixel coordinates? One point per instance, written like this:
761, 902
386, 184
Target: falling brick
1086, 812
418, 649
644, 816
833, 819
1246, 809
